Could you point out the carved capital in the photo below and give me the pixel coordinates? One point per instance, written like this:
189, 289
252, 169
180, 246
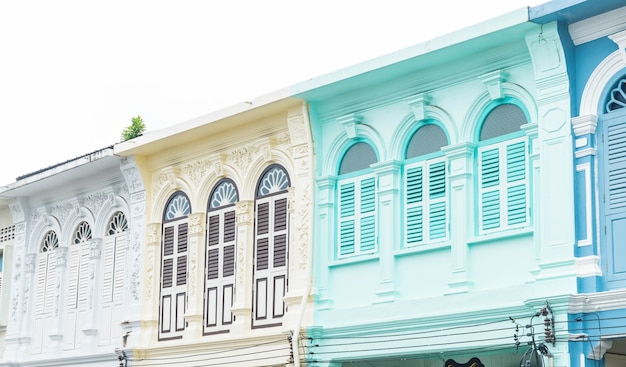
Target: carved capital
153, 231
196, 223
29, 264
95, 248
244, 211
61, 254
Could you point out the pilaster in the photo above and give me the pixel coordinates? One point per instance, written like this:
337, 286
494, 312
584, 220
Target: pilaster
195, 278
388, 193
460, 161
242, 307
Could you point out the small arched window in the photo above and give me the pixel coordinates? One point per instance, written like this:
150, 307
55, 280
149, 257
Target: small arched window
173, 297
219, 288
503, 174
357, 202
426, 187
271, 246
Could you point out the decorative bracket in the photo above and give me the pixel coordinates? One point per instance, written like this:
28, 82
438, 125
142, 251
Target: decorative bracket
493, 81
349, 123
418, 103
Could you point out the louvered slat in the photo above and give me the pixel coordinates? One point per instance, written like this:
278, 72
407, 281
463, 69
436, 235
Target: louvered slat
280, 215
280, 250
263, 212
229, 261
368, 195
368, 233
213, 261
438, 227
262, 254
414, 185
181, 270
214, 230
229, 226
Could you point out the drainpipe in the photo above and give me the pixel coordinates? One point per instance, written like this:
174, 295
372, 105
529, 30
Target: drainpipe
309, 281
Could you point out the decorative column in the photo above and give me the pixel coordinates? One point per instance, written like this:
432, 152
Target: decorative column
90, 327
242, 307
19, 285
300, 215
195, 275
462, 218
325, 241
134, 254
588, 268
388, 217
554, 214
30, 290
152, 281
55, 347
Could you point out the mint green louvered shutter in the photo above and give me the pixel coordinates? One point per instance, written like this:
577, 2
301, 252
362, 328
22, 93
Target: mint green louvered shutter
490, 189
414, 205
437, 197
503, 185
368, 215
516, 175
346, 218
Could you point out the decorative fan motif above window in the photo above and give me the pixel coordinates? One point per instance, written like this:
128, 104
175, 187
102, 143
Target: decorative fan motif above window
50, 242
178, 207
224, 194
118, 224
274, 180
83, 233
617, 97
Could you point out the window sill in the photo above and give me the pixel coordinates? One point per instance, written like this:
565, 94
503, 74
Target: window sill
423, 248
354, 260
497, 236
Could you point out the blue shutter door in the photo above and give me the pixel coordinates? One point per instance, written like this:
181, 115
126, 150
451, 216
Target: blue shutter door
614, 198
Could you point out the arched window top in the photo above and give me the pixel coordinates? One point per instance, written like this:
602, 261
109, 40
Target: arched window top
50, 242
502, 120
617, 96
359, 156
178, 206
117, 224
427, 139
83, 233
274, 179
225, 193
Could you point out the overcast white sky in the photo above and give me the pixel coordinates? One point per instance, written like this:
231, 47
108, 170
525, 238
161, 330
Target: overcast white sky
73, 73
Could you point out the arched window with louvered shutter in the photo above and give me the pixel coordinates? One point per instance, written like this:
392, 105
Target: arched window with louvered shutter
271, 245
113, 262
426, 195
612, 184
77, 285
173, 297
356, 198
503, 172
220, 252
46, 292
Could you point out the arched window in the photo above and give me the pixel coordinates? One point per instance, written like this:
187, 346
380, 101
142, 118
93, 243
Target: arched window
503, 170
426, 187
219, 288
113, 276
77, 285
357, 202
46, 293
174, 267
270, 247
612, 186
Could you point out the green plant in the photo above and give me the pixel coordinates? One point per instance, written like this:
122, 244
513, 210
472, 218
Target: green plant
136, 128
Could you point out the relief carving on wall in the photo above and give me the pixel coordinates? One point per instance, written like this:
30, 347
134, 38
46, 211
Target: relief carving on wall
95, 202
153, 231
61, 254
196, 223
302, 226
149, 274
133, 179
297, 129
62, 211
196, 171
135, 282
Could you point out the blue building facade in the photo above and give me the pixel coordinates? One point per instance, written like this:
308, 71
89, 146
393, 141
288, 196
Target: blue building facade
595, 35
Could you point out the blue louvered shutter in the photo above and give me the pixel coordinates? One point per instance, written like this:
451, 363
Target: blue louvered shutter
614, 173
503, 185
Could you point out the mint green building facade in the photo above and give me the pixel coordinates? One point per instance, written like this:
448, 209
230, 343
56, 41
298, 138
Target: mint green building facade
444, 216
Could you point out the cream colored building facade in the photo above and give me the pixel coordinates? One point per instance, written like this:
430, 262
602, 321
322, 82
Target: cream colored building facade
226, 253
